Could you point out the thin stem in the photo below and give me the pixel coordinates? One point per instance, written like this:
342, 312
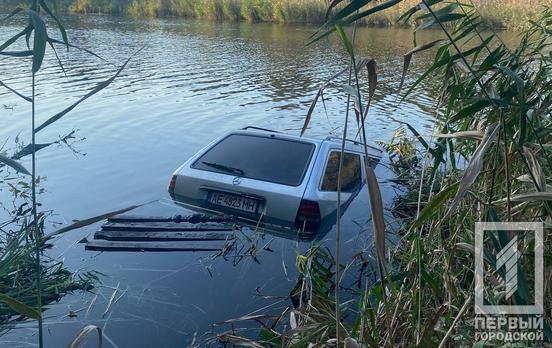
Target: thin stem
459, 52
506, 167
37, 235
338, 218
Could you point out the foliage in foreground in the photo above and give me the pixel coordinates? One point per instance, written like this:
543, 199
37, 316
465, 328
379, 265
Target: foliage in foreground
488, 160
29, 279
18, 266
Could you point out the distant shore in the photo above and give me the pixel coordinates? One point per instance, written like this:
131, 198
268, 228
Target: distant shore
508, 14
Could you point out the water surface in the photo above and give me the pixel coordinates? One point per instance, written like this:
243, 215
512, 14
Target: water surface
192, 82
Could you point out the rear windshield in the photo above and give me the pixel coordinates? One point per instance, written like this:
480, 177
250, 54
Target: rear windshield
269, 159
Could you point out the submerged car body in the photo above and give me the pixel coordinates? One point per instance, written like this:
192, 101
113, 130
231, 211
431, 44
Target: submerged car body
280, 181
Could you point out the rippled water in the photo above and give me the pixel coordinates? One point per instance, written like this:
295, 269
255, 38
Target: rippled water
192, 82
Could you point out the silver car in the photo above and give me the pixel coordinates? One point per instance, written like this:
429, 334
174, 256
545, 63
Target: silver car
279, 181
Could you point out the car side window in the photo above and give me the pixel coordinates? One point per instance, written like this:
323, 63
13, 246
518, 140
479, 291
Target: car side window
350, 173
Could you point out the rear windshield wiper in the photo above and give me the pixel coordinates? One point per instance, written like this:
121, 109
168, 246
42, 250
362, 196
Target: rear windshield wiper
224, 168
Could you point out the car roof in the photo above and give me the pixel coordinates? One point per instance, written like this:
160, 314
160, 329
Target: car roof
350, 145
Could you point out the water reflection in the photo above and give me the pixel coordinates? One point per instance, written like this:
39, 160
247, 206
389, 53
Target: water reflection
194, 81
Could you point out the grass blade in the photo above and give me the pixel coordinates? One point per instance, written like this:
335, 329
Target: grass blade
17, 53
15, 92
20, 307
14, 38
87, 330
90, 221
474, 167
530, 197
40, 38
473, 135
376, 205
53, 41
97, 89
60, 26
311, 110
536, 169
319, 94
408, 57
434, 205
14, 164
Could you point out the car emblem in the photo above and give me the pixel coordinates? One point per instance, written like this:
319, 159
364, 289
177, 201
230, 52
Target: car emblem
236, 181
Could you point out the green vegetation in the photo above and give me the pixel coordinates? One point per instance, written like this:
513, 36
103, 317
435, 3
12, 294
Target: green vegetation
513, 14
489, 159
18, 272
29, 278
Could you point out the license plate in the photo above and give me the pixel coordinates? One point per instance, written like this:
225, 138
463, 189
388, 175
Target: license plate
235, 202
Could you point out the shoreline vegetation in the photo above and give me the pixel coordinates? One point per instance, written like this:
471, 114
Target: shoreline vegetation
488, 160
497, 14
30, 278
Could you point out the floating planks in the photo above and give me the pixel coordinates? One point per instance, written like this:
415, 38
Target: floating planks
194, 232
102, 245
160, 236
191, 218
166, 226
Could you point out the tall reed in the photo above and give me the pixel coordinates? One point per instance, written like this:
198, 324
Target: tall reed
488, 159
29, 278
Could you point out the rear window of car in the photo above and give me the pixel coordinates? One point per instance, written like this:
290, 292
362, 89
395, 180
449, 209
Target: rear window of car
350, 173
269, 159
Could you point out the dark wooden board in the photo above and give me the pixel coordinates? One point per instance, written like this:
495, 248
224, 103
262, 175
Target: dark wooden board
161, 236
103, 245
166, 226
191, 218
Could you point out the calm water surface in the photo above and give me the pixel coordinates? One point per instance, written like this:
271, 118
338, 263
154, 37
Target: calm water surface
192, 82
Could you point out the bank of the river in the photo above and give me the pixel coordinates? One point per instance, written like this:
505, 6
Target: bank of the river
512, 14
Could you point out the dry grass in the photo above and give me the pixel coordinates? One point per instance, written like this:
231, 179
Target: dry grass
510, 14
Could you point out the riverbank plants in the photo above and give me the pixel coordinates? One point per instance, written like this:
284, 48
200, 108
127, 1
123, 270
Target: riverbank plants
510, 14
29, 278
487, 159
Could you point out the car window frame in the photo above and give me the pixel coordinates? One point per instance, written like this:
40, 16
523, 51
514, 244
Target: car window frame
326, 161
271, 136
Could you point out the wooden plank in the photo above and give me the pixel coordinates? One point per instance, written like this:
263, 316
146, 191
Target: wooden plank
103, 245
192, 218
166, 226
160, 236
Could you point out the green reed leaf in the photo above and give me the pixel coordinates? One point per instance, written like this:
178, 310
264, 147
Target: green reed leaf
14, 12
434, 205
14, 38
20, 307
40, 38
13, 164
60, 26
345, 40
408, 57
93, 220
16, 53
476, 164
15, 92
97, 89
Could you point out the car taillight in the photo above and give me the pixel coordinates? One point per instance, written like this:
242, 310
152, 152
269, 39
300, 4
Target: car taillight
308, 216
172, 184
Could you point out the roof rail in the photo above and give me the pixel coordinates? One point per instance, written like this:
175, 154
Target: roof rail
330, 137
352, 141
259, 128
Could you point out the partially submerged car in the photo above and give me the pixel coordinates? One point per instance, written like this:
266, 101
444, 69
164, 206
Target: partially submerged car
271, 179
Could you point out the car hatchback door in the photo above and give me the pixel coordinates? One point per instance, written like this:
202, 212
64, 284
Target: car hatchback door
250, 175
